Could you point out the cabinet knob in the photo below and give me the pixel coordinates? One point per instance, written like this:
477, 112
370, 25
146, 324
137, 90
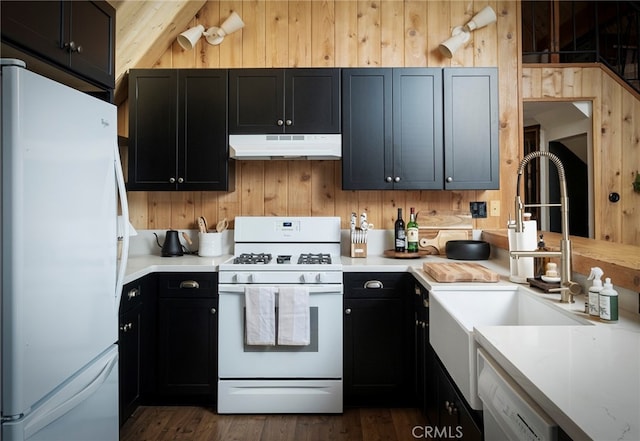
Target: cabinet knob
397, 179
450, 407
213, 311
126, 327
288, 122
73, 47
172, 180
347, 311
135, 292
280, 122
180, 180
389, 179
449, 179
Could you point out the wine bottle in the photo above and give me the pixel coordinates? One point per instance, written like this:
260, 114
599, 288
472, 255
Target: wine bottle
401, 242
412, 233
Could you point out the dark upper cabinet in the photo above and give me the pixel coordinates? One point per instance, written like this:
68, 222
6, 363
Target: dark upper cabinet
471, 129
264, 101
77, 36
178, 130
420, 129
392, 129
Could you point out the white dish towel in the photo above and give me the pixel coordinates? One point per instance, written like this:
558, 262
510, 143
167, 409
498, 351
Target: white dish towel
293, 316
260, 315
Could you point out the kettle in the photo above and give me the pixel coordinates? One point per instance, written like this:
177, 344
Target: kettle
171, 246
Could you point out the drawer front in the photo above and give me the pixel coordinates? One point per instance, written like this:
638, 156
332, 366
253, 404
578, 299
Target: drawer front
375, 285
177, 285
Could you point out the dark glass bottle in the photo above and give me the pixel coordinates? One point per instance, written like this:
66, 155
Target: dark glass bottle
401, 242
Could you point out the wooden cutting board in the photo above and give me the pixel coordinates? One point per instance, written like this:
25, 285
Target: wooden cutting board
459, 272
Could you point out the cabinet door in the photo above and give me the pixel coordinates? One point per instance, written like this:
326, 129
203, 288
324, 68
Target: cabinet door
373, 333
129, 365
378, 327
202, 142
367, 155
256, 101
471, 128
312, 100
417, 129
187, 347
92, 30
35, 26
152, 129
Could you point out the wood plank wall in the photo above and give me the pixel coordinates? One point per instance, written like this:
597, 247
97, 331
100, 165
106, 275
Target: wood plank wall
386, 33
616, 139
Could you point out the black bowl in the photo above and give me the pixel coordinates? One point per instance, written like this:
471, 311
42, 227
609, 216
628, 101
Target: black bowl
468, 249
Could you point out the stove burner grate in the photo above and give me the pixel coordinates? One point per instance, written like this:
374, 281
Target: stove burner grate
313, 259
253, 258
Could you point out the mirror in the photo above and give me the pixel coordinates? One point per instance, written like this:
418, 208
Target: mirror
565, 129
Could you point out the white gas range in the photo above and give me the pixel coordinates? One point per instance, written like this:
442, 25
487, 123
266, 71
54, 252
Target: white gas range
280, 321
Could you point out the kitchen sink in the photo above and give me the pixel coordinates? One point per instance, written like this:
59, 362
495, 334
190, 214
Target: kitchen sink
453, 315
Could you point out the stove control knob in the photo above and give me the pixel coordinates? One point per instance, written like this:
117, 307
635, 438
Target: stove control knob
242, 277
311, 277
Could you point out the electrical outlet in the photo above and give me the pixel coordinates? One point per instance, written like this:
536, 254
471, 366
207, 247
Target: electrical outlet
478, 209
494, 208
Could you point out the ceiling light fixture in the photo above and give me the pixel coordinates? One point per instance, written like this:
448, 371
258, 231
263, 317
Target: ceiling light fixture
214, 35
460, 35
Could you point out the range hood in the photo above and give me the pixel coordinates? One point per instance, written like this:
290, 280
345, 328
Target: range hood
264, 147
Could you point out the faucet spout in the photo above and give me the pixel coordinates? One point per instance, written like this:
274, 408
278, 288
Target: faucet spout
568, 288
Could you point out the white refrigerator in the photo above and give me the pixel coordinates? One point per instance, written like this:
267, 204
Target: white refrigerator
62, 188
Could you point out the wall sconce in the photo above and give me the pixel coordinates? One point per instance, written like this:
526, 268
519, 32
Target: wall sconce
214, 34
460, 35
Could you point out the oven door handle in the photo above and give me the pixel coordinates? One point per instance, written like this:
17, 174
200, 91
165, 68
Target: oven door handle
313, 288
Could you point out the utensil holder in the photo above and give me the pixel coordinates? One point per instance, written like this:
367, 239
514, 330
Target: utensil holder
210, 244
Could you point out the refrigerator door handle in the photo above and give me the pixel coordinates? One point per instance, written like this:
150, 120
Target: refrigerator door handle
124, 207
60, 405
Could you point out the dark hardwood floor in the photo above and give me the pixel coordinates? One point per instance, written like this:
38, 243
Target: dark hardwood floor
189, 423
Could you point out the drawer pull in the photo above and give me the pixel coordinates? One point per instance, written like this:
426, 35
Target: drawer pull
191, 284
373, 284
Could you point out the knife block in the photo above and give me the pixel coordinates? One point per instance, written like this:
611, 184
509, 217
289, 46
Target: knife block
359, 249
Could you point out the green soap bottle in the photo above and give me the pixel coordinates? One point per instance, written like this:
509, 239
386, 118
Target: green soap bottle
608, 302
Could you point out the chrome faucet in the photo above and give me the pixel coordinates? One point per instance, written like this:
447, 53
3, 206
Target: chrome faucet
568, 288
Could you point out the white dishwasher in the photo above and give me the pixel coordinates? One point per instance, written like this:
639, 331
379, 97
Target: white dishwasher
508, 412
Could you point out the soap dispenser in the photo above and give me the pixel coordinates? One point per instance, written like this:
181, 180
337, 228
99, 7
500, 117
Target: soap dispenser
608, 302
594, 291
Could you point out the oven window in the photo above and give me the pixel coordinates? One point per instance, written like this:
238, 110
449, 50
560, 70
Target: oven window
311, 347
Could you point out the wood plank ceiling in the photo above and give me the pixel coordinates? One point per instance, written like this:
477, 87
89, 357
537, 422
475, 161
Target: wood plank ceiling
144, 31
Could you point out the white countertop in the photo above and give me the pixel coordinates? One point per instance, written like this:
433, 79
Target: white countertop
587, 378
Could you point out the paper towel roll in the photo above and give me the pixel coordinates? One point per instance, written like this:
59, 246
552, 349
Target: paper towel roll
522, 268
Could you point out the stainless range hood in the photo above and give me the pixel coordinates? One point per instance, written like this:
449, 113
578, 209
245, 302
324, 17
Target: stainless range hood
266, 147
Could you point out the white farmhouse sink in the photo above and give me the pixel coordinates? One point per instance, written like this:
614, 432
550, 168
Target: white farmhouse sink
453, 314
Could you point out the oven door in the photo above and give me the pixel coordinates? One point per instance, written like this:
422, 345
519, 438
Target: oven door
322, 358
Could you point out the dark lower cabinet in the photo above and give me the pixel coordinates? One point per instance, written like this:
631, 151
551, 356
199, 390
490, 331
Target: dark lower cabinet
449, 414
378, 340
135, 337
187, 338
